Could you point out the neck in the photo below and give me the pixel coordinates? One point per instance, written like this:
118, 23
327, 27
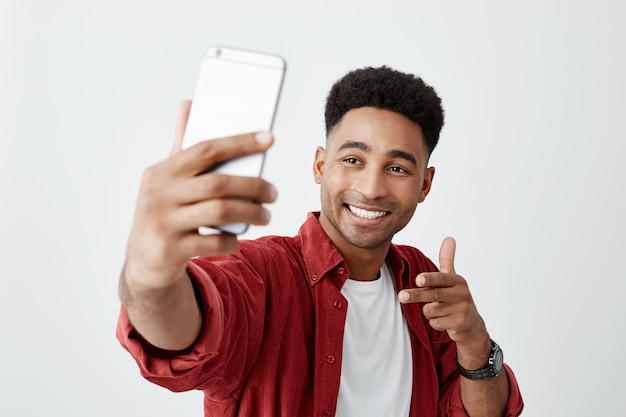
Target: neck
364, 263
366, 277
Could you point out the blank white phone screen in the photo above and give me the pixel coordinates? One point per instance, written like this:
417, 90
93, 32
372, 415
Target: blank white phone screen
237, 92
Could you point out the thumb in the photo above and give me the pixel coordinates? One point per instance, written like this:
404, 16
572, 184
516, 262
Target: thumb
446, 255
181, 125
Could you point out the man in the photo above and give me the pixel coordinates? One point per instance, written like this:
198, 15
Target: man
335, 321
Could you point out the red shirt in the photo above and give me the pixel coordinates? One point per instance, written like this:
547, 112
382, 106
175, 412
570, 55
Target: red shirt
272, 338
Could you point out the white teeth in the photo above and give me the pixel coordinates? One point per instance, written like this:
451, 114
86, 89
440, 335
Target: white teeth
365, 213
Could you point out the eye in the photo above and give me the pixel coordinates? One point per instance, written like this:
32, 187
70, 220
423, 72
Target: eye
352, 161
398, 169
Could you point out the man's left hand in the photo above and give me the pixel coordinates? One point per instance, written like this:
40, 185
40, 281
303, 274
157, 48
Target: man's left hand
449, 304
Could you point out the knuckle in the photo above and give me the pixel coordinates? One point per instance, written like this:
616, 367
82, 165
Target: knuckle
228, 147
441, 280
462, 322
212, 184
464, 309
152, 203
428, 311
153, 188
207, 149
150, 195
257, 214
149, 175
220, 211
262, 190
463, 282
436, 324
464, 295
470, 310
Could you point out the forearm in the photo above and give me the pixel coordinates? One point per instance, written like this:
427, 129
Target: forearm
168, 318
487, 397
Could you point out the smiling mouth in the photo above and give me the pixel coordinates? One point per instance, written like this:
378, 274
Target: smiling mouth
366, 214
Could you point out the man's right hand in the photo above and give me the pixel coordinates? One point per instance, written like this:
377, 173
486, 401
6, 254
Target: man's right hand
178, 195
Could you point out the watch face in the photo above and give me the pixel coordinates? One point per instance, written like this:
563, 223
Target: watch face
493, 369
498, 360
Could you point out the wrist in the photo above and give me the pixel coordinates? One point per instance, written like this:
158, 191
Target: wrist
141, 278
475, 355
138, 285
491, 368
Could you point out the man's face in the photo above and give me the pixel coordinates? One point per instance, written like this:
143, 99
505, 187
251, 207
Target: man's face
372, 177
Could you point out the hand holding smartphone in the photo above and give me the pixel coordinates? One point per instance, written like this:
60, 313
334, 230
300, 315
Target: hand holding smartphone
237, 92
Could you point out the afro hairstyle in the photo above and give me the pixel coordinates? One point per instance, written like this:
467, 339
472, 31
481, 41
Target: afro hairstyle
387, 89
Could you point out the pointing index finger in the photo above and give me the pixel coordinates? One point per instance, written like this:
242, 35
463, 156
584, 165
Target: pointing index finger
436, 280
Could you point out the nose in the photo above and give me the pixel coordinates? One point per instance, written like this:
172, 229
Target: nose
371, 183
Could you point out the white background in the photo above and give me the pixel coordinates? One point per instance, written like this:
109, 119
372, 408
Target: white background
529, 174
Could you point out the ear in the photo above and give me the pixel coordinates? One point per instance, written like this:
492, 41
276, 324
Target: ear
428, 182
318, 164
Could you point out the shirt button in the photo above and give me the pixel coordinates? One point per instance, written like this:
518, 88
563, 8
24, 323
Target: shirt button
337, 304
314, 277
330, 359
340, 270
326, 413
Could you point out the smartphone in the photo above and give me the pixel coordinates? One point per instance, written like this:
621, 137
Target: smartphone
237, 92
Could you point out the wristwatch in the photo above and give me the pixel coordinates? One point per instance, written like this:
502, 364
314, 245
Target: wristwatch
492, 370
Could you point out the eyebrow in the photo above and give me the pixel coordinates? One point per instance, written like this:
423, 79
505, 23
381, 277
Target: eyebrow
354, 144
394, 153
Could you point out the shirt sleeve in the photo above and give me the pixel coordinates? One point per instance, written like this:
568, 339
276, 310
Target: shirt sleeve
231, 297
452, 405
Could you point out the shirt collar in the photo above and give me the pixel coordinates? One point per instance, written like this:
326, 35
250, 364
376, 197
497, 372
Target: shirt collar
320, 254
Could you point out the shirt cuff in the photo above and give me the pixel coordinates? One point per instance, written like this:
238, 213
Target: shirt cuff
514, 407
177, 369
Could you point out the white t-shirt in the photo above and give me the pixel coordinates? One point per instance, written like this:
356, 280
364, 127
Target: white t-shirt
377, 363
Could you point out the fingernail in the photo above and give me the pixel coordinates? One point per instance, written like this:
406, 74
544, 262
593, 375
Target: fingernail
420, 281
263, 137
267, 216
404, 296
273, 193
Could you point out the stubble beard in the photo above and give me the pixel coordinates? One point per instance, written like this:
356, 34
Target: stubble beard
361, 237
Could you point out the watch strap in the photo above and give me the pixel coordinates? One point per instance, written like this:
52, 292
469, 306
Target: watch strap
492, 370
